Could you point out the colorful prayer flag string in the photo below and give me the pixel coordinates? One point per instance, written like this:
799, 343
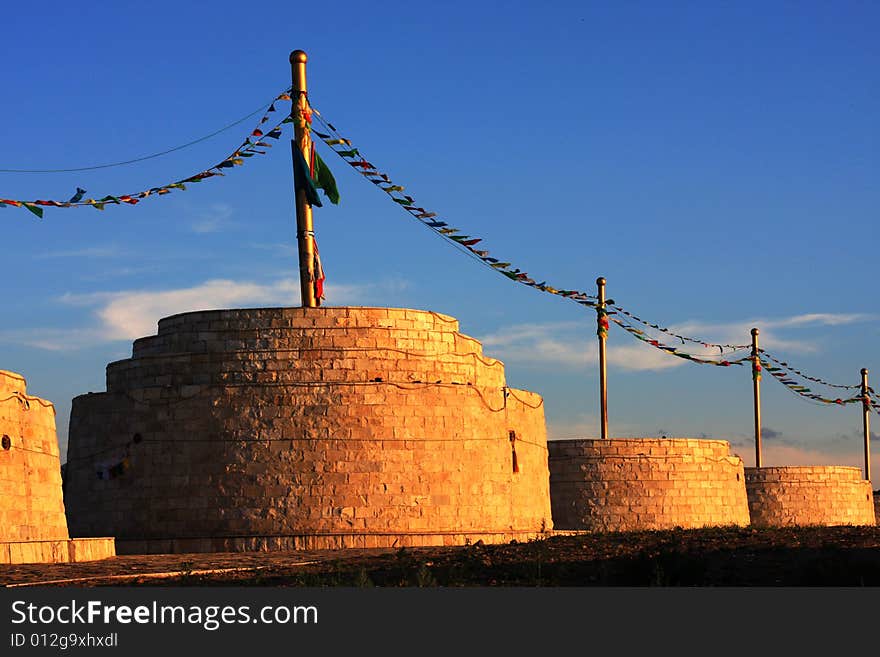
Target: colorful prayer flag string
344, 148
248, 148
676, 351
814, 379
683, 338
782, 373
873, 400
354, 157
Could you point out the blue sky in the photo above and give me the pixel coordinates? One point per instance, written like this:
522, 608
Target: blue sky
718, 164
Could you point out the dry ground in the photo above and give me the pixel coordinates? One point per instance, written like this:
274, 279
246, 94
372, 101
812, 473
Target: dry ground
807, 556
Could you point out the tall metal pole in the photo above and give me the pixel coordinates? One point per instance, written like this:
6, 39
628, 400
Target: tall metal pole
302, 141
603, 380
756, 382
866, 422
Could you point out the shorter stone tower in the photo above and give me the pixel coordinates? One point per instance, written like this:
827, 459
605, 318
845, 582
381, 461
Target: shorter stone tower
627, 484
809, 495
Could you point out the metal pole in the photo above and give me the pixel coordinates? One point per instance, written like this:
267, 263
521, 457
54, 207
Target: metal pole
603, 380
866, 420
302, 141
756, 382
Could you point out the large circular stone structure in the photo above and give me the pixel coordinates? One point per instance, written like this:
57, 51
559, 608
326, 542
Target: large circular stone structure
33, 527
286, 428
809, 495
626, 484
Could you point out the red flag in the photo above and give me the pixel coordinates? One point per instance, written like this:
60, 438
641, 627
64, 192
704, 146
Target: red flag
319, 274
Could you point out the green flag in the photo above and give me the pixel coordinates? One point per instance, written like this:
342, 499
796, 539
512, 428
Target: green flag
302, 179
324, 180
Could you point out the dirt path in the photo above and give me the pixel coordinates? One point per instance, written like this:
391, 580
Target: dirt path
816, 556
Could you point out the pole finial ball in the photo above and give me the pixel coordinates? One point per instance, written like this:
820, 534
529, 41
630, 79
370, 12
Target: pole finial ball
755, 331
600, 280
298, 57
864, 371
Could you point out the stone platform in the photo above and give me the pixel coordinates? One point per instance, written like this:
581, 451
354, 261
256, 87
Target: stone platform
626, 484
280, 428
339, 541
57, 551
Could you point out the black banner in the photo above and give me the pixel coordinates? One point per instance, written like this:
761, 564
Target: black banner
210, 621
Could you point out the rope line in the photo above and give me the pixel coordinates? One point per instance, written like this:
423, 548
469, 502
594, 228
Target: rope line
513, 394
26, 399
145, 157
674, 351
406, 387
32, 451
488, 362
127, 446
784, 371
246, 149
801, 374
682, 338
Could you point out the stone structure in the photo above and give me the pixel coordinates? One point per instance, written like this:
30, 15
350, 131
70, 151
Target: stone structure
32, 523
809, 495
625, 484
287, 428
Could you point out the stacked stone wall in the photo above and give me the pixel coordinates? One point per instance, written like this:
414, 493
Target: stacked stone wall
31, 505
33, 527
809, 495
298, 427
633, 484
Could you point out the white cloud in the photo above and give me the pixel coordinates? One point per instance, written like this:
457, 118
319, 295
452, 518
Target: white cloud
586, 425
214, 219
739, 332
90, 252
573, 344
825, 319
280, 249
52, 339
780, 455
570, 344
639, 356
128, 315
131, 314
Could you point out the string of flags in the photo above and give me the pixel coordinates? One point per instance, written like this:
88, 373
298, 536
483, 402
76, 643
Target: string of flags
873, 400
612, 312
683, 338
254, 144
312, 173
639, 334
814, 379
355, 158
352, 156
782, 372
